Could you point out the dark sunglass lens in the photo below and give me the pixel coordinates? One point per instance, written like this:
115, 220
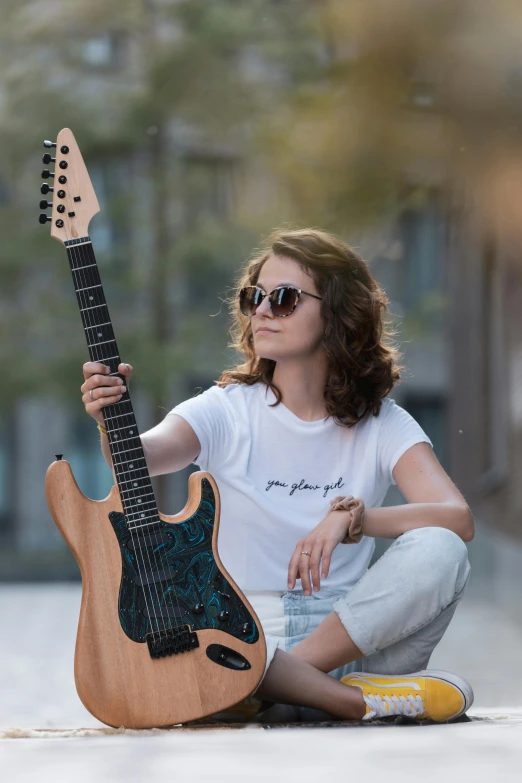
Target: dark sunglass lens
249, 299
283, 301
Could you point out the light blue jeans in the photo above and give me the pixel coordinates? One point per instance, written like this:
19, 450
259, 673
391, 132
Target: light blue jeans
396, 614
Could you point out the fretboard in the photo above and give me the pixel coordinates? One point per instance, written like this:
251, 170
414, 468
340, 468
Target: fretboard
128, 458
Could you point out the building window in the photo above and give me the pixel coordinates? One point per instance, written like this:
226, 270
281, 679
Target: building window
103, 51
208, 189
422, 233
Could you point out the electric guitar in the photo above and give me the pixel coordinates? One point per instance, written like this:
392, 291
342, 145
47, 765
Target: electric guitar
165, 635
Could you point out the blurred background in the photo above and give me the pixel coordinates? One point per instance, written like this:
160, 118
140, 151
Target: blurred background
203, 127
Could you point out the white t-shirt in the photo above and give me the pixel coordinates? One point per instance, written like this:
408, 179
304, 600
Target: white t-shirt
277, 473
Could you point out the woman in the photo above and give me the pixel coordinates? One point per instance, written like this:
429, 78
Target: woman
303, 444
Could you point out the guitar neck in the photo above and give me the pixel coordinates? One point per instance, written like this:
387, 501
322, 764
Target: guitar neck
128, 459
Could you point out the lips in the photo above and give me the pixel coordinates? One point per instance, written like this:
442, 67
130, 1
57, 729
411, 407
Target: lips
265, 330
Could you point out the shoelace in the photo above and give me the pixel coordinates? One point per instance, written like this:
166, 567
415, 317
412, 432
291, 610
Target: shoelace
393, 705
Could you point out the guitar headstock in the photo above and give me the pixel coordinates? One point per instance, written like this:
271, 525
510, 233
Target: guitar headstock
74, 200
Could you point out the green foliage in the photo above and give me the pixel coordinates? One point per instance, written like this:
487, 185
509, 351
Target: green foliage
321, 97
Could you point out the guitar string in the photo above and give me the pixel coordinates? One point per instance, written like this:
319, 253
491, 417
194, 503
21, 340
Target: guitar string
92, 273
78, 254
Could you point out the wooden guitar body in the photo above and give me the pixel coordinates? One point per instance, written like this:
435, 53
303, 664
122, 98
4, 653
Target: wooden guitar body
125, 674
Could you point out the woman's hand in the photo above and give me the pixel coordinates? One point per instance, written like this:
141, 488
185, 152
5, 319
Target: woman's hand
343, 524
105, 388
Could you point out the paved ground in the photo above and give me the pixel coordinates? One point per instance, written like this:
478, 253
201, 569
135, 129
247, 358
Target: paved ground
38, 699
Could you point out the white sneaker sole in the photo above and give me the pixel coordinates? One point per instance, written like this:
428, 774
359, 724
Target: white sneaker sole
460, 683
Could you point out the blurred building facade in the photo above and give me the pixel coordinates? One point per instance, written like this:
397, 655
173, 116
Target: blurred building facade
456, 295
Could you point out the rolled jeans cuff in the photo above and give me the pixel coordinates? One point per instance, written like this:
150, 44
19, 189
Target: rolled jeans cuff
353, 627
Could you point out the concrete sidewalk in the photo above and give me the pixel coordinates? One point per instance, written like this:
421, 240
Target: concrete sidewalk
37, 692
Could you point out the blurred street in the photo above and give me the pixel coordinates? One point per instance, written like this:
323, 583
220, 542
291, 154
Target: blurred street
38, 692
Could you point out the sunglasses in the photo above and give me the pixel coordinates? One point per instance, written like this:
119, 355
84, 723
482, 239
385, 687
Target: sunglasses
282, 300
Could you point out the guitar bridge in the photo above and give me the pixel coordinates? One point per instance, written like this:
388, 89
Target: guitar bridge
171, 641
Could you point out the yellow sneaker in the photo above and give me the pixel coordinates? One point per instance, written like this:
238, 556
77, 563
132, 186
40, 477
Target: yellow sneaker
426, 695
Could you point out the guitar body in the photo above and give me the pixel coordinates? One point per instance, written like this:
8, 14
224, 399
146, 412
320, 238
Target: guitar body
121, 677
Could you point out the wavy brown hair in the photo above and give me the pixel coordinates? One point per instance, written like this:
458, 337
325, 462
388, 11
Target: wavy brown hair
362, 359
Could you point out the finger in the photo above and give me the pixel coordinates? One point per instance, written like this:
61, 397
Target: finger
102, 393
315, 564
125, 369
293, 566
326, 559
91, 368
304, 568
98, 381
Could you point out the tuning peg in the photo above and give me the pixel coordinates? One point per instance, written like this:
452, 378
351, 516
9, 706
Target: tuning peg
46, 189
49, 144
47, 158
44, 218
46, 174
45, 204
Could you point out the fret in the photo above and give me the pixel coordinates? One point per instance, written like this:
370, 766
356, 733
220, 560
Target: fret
106, 359
103, 343
145, 495
88, 288
142, 516
145, 524
131, 461
138, 478
83, 309
139, 506
143, 506
115, 429
122, 440
119, 415
125, 451
79, 268
97, 326
86, 240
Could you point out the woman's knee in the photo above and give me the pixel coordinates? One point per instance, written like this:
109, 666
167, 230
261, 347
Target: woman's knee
447, 552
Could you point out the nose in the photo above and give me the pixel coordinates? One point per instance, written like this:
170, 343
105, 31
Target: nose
264, 308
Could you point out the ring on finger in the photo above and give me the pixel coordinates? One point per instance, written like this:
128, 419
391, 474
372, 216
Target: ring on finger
90, 394
306, 553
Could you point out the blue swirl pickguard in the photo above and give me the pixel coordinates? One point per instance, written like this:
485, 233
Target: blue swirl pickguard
170, 577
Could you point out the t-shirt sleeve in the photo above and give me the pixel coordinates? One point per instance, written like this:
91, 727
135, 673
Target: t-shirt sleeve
399, 430
209, 416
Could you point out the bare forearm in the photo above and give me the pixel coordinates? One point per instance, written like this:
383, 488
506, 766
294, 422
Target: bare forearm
393, 521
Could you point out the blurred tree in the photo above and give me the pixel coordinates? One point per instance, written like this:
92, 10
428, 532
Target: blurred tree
334, 103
